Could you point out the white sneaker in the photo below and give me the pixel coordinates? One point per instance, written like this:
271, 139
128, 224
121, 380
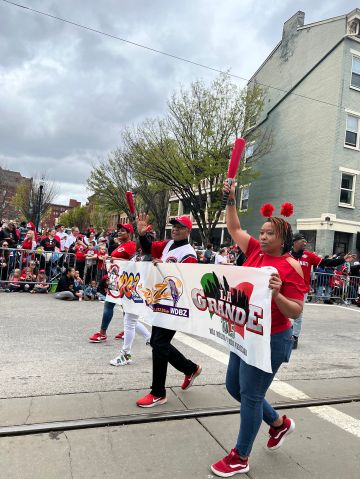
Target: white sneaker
122, 360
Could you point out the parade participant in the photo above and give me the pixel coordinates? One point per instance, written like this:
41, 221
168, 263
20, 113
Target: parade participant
246, 383
307, 260
177, 250
125, 250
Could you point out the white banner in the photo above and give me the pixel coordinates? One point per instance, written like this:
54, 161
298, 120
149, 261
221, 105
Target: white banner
228, 304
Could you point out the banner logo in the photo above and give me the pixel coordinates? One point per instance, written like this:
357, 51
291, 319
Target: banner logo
229, 303
124, 285
168, 291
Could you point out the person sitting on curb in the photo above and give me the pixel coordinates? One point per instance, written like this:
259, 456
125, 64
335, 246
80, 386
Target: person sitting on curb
65, 288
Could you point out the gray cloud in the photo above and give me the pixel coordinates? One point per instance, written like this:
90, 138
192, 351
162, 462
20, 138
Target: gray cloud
67, 92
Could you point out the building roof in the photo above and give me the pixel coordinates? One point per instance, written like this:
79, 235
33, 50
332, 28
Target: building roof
309, 25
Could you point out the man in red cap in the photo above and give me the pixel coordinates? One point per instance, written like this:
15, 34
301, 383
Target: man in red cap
177, 250
125, 250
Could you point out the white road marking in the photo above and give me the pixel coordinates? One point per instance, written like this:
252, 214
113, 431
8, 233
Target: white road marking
344, 421
328, 413
348, 308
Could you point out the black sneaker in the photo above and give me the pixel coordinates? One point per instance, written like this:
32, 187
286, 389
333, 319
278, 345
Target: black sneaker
295, 342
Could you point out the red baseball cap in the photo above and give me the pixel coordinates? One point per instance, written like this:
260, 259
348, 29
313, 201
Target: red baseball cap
127, 226
183, 221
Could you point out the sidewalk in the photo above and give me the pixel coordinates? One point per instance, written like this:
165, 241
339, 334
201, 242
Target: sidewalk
170, 449
182, 449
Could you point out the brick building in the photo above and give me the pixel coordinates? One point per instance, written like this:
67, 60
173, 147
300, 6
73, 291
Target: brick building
56, 211
9, 181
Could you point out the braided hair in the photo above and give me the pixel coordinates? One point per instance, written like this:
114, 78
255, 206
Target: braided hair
283, 230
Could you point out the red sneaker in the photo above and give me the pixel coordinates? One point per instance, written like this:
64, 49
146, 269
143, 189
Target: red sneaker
120, 335
97, 338
188, 380
230, 465
150, 401
277, 436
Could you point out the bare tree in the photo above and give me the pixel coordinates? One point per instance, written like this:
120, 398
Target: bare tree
113, 177
33, 199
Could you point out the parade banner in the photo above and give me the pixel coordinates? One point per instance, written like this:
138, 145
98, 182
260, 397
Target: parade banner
230, 305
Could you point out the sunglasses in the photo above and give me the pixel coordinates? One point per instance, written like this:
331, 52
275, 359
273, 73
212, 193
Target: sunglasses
5, 244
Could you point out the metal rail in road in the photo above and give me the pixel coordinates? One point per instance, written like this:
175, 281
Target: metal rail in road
46, 427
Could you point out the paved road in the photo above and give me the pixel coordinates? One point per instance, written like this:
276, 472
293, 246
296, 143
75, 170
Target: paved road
45, 349
49, 372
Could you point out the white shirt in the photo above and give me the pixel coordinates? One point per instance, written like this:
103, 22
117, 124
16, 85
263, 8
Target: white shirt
177, 255
63, 237
70, 240
220, 259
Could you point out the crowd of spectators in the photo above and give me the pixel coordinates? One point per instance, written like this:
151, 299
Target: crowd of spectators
61, 259
328, 285
57, 259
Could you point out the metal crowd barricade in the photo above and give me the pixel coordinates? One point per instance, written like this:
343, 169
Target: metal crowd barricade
334, 287
15, 261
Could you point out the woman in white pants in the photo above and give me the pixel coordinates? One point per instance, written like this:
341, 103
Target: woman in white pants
131, 323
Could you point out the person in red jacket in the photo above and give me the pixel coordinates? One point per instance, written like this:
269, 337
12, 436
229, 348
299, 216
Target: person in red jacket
307, 260
248, 384
124, 251
177, 250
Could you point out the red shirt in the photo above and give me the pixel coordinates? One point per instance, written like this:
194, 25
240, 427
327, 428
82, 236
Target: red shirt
80, 252
293, 285
101, 262
124, 250
307, 261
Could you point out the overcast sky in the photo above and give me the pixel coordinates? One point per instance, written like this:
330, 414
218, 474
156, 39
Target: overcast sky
65, 92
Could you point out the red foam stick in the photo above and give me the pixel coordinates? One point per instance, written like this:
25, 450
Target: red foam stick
236, 157
130, 202
234, 163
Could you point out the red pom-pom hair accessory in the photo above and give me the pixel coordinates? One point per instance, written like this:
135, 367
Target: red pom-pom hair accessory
267, 210
287, 209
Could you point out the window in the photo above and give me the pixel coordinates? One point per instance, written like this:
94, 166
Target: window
355, 72
174, 208
347, 189
186, 207
352, 128
249, 152
244, 198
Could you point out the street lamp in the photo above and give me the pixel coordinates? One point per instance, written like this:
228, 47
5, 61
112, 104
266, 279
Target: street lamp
39, 206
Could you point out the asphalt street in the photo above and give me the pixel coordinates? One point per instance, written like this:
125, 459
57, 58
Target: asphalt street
50, 372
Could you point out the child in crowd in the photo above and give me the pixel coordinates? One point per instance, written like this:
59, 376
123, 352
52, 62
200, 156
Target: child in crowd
101, 257
80, 255
103, 288
28, 279
78, 285
90, 291
90, 262
14, 284
41, 285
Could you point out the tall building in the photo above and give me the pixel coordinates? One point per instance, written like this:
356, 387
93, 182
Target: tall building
312, 107
9, 181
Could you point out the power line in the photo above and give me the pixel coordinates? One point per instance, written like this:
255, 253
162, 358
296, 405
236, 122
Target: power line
160, 52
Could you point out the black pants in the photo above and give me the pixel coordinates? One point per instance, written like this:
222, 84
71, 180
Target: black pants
163, 353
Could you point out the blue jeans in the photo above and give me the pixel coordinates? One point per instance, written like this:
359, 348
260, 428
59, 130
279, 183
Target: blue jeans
297, 324
107, 315
248, 385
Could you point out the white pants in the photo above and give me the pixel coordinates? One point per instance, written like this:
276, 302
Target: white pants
131, 324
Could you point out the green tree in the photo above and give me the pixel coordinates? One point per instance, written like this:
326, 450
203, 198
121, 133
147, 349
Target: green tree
188, 150
79, 216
